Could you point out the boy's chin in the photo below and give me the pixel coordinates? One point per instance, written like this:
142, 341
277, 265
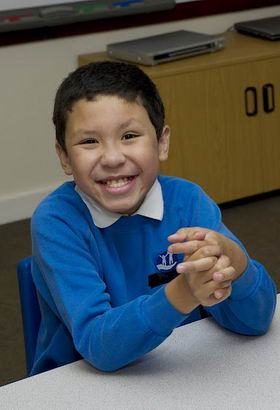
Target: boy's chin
124, 210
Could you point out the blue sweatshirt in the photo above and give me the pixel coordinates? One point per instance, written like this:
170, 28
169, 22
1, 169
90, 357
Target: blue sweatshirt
97, 299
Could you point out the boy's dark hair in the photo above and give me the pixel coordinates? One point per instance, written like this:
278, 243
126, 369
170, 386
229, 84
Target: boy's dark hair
107, 78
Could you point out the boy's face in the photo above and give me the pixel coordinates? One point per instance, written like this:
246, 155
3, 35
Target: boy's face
113, 152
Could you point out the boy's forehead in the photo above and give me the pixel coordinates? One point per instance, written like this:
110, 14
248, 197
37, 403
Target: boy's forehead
84, 112
128, 99
84, 104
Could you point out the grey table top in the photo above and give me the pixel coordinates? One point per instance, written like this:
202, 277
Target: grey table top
200, 366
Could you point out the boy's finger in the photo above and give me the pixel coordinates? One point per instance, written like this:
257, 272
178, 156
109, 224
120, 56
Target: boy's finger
205, 250
187, 234
199, 265
220, 294
222, 285
223, 263
199, 235
188, 248
225, 274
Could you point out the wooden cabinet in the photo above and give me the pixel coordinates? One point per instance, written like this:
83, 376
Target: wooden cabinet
215, 143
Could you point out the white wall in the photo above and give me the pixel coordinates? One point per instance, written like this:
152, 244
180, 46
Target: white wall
30, 74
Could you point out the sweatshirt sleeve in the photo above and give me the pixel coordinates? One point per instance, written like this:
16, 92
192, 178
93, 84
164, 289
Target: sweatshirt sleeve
250, 308
69, 279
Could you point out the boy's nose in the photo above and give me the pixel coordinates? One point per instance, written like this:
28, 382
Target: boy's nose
112, 157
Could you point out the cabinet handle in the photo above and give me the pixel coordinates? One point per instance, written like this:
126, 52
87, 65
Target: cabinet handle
268, 98
251, 102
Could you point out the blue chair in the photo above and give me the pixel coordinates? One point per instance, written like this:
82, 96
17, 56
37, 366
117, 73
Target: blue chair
31, 316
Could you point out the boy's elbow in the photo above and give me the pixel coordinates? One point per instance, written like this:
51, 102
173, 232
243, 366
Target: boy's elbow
109, 369
264, 328
260, 328
258, 332
106, 366
105, 362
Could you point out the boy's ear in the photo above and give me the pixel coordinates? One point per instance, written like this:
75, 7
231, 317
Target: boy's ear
163, 143
64, 159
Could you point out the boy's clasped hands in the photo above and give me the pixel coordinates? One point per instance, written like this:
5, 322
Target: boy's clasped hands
211, 263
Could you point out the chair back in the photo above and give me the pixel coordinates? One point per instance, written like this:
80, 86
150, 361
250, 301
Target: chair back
30, 310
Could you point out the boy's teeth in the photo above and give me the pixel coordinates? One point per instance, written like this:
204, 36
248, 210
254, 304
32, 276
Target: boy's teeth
117, 183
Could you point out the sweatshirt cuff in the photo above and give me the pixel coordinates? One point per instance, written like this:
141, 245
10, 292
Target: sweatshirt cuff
246, 283
160, 315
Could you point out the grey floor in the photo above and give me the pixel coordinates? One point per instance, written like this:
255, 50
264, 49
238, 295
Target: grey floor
256, 223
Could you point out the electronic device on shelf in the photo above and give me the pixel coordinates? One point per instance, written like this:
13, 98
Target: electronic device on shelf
165, 47
268, 28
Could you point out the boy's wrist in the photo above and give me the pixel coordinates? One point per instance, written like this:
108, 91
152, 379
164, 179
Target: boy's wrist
180, 296
238, 257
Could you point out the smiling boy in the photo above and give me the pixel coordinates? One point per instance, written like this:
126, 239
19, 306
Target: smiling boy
122, 255
116, 171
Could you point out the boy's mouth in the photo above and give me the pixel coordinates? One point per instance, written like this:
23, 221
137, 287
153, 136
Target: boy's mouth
117, 182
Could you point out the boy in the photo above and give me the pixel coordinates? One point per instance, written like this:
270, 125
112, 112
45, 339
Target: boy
122, 256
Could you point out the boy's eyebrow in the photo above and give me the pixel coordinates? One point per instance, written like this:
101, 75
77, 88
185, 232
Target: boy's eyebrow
128, 122
82, 131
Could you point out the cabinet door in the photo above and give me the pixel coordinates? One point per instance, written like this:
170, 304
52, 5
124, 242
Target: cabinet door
214, 143
270, 126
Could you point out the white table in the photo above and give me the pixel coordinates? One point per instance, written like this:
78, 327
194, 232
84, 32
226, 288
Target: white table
200, 366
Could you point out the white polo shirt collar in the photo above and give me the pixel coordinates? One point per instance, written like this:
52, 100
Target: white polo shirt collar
152, 207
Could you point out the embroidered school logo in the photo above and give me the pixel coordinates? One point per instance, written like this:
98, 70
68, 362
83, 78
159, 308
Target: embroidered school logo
166, 261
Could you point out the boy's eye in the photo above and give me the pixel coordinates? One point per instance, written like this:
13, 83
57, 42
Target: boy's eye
129, 136
89, 141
